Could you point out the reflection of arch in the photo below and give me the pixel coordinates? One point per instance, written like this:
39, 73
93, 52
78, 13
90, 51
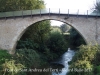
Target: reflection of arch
39, 20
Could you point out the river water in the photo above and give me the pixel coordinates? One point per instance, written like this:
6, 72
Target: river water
65, 58
58, 67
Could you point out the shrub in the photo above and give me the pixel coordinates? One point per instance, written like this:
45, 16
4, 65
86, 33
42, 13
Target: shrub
81, 67
84, 58
86, 52
28, 57
4, 55
27, 43
10, 67
75, 38
7, 64
97, 70
57, 43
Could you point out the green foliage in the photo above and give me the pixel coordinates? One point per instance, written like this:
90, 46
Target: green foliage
57, 44
10, 67
97, 70
39, 34
12, 5
27, 43
3, 56
97, 7
28, 57
64, 28
97, 57
86, 52
81, 67
55, 28
52, 47
84, 59
8, 64
75, 38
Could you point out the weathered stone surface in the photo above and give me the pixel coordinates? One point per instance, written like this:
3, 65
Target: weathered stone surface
11, 29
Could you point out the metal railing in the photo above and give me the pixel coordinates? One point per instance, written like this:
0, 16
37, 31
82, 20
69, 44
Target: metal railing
46, 11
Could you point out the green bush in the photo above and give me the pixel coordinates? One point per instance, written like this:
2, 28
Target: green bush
86, 52
57, 44
10, 67
4, 55
75, 39
7, 64
28, 57
98, 69
81, 67
85, 58
27, 43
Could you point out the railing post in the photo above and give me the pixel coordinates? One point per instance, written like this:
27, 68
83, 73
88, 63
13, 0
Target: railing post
77, 12
49, 11
59, 11
97, 15
31, 13
40, 12
68, 12
13, 15
22, 13
5, 16
87, 13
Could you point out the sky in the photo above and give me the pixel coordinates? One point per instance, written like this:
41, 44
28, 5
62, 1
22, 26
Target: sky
73, 5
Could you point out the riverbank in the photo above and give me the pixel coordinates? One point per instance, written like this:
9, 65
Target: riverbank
86, 61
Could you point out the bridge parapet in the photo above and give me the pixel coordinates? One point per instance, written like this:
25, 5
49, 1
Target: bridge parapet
49, 11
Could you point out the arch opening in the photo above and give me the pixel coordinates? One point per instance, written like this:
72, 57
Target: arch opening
47, 47
63, 22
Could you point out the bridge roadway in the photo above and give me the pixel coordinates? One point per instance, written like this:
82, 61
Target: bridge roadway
14, 24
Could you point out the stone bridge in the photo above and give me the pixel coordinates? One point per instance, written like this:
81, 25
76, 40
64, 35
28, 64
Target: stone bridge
14, 24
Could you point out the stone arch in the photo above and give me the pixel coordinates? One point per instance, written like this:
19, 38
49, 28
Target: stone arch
41, 19
12, 28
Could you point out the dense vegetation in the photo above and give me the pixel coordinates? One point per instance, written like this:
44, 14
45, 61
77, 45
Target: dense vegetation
75, 39
13, 5
85, 61
41, 38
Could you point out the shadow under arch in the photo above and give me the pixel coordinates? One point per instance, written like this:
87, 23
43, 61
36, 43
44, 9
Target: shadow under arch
64, 21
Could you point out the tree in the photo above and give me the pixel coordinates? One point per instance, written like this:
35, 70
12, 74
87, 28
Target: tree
85, 59
57, 43
38, 33
97, 7
75, 38
13, 5
64, 28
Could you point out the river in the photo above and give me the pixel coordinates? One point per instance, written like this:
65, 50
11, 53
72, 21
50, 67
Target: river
58, 67
65, 58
